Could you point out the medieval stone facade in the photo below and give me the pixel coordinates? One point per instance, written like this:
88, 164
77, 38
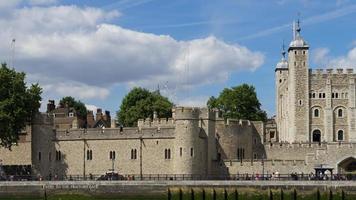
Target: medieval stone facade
314, 125
313, 105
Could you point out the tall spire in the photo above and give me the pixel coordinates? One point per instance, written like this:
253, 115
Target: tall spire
297, 41
283, 51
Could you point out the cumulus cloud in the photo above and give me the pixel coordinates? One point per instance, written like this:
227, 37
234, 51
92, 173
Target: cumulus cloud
320, 56
347, 61
76, 51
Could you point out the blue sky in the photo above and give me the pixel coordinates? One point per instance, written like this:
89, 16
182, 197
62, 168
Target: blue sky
97, 50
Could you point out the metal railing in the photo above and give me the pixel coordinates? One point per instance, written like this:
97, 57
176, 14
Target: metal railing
181, 177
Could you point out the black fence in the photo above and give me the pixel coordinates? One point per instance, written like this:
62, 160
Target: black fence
181, 177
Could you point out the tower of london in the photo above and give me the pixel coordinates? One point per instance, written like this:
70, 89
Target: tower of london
313, 105
314, 127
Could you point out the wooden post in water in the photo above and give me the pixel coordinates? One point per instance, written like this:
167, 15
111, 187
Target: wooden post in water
192, 194
294, 194
214, 194
225, 194
203, 193
343, 195
282, 195
318, 194
169, 194
330, 194
180, 194
236, 195
270, 194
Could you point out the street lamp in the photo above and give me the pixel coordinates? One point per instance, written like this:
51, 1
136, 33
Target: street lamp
263, 166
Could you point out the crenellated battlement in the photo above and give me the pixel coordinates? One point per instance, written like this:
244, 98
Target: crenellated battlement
234, 122
115, 133
157, 122
186, 113
331, 71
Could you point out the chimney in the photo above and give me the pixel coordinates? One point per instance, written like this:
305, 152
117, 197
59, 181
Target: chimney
90, 119
99, 114
50, 106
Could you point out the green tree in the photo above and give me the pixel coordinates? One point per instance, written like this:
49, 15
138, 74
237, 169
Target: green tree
140, 103
72, 103
18, 104
238, 102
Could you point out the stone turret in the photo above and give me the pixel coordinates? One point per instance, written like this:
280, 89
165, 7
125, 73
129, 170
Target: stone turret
194, 135
298, 88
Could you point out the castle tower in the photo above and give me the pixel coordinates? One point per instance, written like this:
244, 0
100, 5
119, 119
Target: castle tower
190, 153
281, 84
298, 88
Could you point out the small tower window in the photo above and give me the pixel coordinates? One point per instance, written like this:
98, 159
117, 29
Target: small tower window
39, 156
180, 152
167, 154
324, 95
336, 95
280, 80
303, 52
191, 152
300, 102
133, 154
340, 135
313, 95
295, 52
340, 112
320, 95
316, 112
112, 155
332, 95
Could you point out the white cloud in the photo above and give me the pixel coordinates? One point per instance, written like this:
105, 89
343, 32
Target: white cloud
194, 101
320, 56
348, 61
75, 51
42, 2
92, 108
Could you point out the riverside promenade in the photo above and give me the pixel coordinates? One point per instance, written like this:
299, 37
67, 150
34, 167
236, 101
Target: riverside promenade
164, 188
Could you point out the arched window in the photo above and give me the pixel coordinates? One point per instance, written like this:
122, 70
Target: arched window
340, 135
340, 112
316, 112
313, 95
316, 136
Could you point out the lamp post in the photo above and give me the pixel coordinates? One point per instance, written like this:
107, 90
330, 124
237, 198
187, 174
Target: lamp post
263, 166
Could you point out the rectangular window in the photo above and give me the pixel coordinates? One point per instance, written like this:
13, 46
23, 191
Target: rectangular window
181, 151
191, 152
133, 154
89, 155
167, 154
112, 155
271, 134
240, 153
39, 156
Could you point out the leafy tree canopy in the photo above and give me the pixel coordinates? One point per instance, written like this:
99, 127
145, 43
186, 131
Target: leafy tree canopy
238, 102
18, 104
72, 103
140, 103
